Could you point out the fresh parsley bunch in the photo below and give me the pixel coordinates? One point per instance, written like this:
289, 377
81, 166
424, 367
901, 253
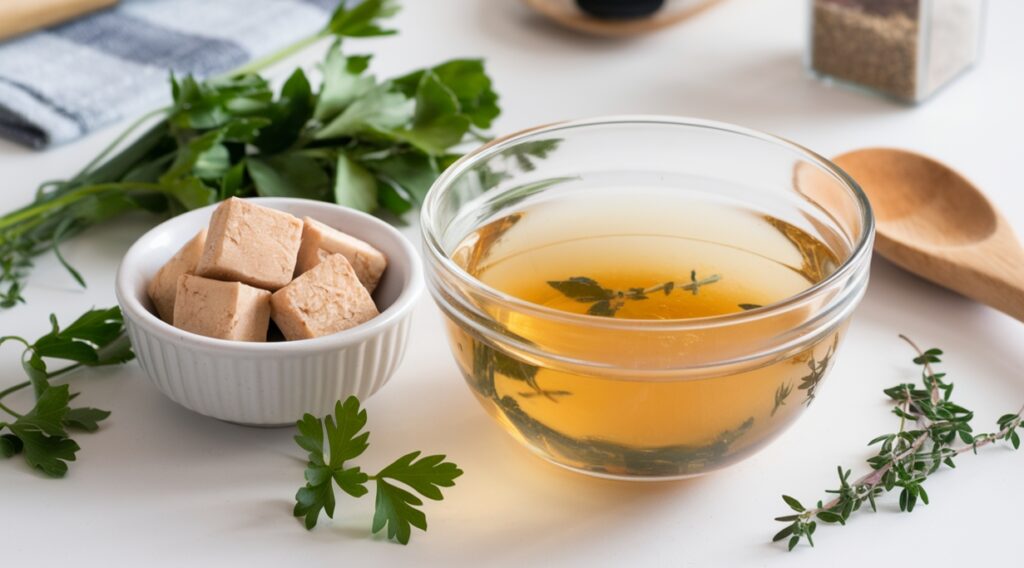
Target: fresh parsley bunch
396, 508
41, 434
355, 140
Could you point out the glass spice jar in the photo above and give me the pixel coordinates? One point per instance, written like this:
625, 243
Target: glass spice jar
906, 49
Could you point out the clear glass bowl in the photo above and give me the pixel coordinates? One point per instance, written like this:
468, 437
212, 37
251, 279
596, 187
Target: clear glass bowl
643, 398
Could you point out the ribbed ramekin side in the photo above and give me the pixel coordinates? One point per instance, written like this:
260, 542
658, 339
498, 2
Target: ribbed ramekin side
268, 391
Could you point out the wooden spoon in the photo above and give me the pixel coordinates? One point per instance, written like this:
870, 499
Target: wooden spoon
936, 224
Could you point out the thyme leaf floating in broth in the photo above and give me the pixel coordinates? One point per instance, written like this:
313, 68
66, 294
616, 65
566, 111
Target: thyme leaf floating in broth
781, 395
818, 368
606, 302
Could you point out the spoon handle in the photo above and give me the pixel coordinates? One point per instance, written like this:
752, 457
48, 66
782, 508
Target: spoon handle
991, 272
1004, 292
992, 277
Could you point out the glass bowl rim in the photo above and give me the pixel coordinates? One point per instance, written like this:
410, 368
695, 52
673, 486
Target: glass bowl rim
861, 250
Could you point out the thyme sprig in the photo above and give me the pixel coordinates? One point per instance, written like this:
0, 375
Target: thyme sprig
926, 439
607, 302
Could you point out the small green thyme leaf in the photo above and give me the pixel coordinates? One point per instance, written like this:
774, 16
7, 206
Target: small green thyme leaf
582, 289
817, 371
781, 394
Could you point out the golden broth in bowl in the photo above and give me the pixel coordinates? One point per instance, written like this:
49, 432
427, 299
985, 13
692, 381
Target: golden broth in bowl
651, 330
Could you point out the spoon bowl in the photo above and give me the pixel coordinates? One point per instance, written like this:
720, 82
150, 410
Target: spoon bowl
935, 223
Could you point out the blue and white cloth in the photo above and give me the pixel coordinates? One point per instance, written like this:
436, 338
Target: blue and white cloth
61, 83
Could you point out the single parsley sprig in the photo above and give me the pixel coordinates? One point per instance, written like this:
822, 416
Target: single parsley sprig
607, 302
95, 339
396, 508
926, 439
358, 141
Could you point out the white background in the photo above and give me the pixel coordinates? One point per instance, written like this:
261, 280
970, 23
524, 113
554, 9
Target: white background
162, 486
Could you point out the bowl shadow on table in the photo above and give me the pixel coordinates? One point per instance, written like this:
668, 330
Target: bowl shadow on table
500, 476
539, 501
226, 440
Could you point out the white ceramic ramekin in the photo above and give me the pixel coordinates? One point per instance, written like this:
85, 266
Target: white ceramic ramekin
271, 384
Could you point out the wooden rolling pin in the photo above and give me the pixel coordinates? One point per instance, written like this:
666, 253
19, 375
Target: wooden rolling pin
21, 16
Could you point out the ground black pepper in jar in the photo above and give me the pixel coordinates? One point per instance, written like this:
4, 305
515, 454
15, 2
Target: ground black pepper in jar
906, 49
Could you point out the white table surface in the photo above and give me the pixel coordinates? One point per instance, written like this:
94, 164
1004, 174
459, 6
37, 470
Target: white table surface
162, 486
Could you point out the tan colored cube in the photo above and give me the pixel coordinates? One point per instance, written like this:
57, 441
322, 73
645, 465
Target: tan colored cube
251, 244
225, 310
320, 241
326, 299
164, 285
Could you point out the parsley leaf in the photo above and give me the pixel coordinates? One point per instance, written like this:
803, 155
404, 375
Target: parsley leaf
352, 481
86, 419
468, 81
426, 475
48, 454
345, 441
343, 432
396, 508
96, 338
361, 20
312, 499
289, 175
343, 83
379, 111
413, 171
49, 412
354, 186
437, 123
10, 445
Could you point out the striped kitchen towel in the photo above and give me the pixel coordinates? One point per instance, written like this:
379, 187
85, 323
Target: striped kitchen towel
59, 84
